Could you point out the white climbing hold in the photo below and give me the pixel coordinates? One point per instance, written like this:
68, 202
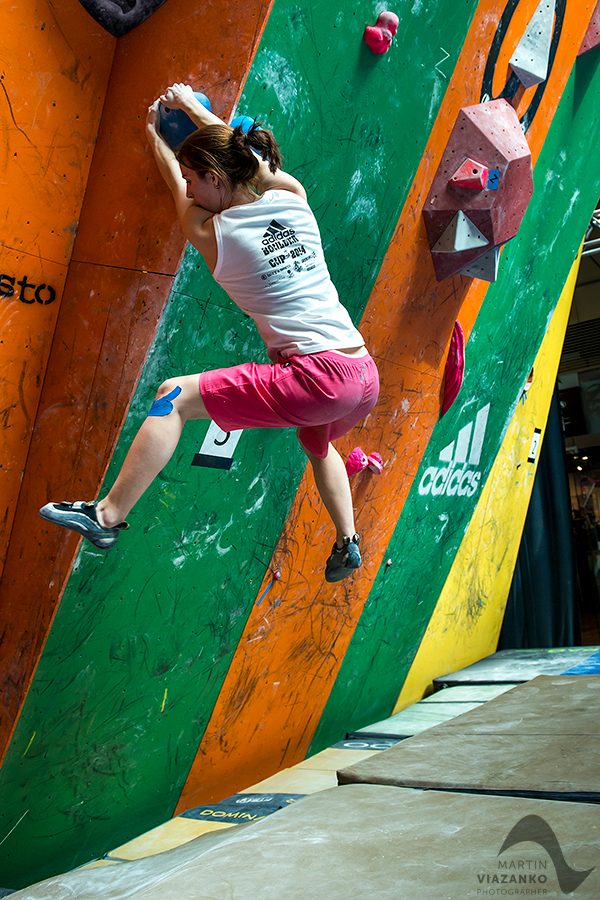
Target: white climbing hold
486, 267
461, 234
532, 56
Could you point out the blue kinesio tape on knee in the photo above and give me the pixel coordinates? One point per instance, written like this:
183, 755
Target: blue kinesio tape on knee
163, 406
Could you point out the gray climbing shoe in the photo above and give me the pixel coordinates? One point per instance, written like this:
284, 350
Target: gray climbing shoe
343, 561
81, 517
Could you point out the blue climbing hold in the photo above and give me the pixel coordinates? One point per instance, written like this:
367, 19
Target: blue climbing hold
245, 121
163, 406
175, 125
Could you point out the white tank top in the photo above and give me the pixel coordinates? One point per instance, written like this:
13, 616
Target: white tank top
270, 261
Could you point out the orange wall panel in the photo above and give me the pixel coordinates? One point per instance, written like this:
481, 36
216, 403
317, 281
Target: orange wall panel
51, 100
128, 213
127, 249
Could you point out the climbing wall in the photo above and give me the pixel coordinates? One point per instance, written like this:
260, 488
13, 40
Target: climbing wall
175, 669
466, 620
501, 353
50, 114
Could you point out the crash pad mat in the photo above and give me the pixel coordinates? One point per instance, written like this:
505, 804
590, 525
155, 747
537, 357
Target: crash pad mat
539, 739
368, 840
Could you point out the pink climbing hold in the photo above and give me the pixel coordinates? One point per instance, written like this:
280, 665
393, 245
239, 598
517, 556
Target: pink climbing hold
357, 461
375, 463
379, 36
455, 368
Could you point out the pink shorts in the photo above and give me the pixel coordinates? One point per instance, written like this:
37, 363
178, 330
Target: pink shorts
323, 395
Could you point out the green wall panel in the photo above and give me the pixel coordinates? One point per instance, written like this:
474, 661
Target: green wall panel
499, 356
144, 635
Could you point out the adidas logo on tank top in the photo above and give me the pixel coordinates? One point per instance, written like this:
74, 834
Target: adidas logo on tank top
274, 228
277, 236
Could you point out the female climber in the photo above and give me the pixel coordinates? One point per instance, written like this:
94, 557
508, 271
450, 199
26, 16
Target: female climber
252, 224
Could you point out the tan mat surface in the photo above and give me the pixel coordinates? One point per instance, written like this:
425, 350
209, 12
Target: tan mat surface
367, 841
542, 737
568, 704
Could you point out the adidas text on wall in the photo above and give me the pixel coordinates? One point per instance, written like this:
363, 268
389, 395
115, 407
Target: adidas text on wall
459, 476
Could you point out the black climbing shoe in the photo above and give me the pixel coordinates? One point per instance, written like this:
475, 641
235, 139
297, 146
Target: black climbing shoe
343, 561
81, 517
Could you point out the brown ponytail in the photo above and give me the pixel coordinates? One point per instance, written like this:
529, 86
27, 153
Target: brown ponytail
230, 153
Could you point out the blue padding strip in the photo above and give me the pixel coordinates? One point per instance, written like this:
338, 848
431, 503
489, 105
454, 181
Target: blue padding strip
589, 666
163, 406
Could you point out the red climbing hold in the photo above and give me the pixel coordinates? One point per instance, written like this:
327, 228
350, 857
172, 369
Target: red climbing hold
472, 175
379, 36
487, 218
591, 38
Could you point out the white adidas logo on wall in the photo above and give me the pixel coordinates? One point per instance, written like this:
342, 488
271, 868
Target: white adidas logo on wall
459, 476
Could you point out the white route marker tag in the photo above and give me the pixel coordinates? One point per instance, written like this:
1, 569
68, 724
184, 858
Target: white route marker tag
217, 448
